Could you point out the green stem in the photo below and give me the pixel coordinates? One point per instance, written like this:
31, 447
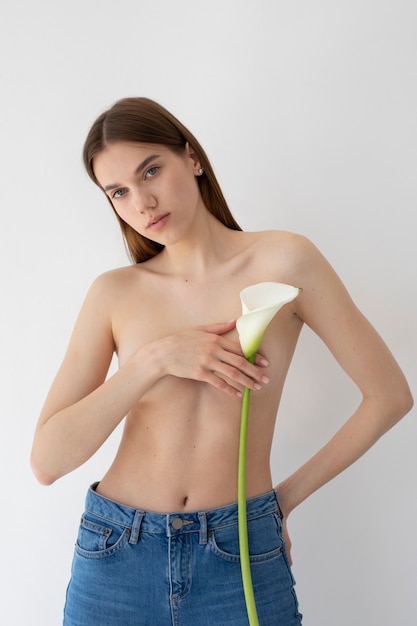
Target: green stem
242, 517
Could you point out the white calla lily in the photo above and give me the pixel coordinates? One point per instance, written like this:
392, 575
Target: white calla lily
260, 303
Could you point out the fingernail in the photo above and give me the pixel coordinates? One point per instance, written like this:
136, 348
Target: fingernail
257, 386
263, 362
265, 379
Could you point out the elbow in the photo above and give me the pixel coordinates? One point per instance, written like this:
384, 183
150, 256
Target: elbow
402, 403
41, 474
408, 402
44, 479
390, 407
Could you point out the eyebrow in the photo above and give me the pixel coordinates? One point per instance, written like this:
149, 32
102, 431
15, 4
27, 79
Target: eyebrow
138, 170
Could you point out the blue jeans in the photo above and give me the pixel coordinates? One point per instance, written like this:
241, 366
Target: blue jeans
139, 568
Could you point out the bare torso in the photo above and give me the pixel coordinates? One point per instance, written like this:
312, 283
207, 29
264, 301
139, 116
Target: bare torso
180, 376
179, 448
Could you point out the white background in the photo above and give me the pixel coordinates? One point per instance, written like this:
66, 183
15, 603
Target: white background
307, 110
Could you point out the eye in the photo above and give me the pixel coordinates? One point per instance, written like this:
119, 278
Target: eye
118, 194
152, 171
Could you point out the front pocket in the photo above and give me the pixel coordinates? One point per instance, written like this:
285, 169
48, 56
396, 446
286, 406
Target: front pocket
98, 541
265, 541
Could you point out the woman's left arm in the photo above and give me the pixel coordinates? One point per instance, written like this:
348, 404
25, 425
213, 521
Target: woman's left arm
326, 307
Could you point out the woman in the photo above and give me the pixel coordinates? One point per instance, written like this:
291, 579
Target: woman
158, 540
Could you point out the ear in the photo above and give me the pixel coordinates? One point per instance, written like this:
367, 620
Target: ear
190, 153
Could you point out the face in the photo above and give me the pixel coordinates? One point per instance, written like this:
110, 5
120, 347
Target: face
151, 188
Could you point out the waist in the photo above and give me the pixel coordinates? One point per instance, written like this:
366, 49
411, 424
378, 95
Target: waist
174, 522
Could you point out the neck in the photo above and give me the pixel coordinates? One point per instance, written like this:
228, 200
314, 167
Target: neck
202, 253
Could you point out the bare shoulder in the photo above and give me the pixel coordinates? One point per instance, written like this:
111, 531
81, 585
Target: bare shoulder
111, 284
294, 259
290, 251
300, 262
115, 278
279, 240
103, 300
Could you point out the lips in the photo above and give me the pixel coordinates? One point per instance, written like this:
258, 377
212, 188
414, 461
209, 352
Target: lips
158, 221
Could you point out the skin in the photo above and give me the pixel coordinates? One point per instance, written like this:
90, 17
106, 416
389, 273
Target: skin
181, 370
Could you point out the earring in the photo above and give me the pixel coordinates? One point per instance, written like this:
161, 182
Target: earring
201, 170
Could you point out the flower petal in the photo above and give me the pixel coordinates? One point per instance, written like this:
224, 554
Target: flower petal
260, 303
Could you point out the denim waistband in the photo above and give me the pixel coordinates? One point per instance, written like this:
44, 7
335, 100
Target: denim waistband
177, 522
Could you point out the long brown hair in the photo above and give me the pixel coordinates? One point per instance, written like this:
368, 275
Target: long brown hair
143, 120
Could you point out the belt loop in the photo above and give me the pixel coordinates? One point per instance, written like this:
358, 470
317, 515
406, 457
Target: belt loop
137, 522
203, 528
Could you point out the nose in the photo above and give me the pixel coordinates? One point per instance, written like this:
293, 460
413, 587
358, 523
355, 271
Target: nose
144, 202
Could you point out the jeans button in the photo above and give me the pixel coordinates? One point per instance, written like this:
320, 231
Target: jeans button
176, 523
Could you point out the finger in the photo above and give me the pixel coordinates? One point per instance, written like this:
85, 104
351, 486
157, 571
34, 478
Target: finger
261, 360
218, 329
237, 369
232, 374
236, 374
235, 347
221, 384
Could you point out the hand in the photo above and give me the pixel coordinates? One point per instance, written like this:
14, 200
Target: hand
205, 355
287, 540
283, 505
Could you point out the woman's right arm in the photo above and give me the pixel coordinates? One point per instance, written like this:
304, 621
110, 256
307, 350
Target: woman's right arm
83, 408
